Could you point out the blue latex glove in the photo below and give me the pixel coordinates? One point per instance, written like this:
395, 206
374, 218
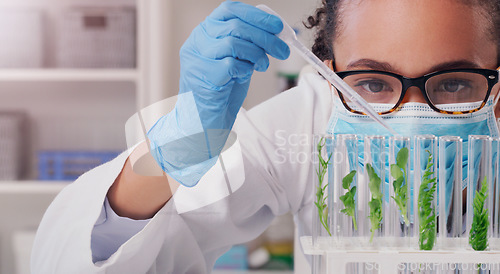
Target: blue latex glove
217, 62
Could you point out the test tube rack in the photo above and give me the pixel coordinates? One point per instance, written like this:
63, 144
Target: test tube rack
398, 245
388, 261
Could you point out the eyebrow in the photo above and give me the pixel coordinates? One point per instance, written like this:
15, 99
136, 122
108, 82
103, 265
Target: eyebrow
384, 66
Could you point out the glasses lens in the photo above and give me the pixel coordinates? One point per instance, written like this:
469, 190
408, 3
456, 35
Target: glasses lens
456, 88
380, 89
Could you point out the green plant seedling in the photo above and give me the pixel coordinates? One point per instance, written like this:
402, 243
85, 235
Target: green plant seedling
478, 236
348, 198
375, 204
321, 188
426, 212
400, 183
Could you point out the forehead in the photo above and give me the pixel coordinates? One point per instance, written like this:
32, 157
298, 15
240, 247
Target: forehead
413, 36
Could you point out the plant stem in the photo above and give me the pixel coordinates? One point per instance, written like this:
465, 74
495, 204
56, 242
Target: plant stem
320, 193
404, 210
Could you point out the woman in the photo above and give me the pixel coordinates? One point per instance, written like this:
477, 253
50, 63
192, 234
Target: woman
141, 228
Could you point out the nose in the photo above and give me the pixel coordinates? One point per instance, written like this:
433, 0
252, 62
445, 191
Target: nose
413, 95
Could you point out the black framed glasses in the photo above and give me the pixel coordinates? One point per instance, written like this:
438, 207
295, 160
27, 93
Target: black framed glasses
453, 86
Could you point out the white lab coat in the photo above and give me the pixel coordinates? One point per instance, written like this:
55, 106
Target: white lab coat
182, 238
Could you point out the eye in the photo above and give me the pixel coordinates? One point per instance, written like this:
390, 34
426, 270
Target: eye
373, 86
454, 85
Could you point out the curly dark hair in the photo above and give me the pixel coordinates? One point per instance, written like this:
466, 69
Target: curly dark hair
327, 21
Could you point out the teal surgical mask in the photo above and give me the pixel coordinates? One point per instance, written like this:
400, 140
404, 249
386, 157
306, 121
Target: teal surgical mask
417, 119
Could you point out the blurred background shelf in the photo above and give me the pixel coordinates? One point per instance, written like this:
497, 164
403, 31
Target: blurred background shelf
63, 75
32, 187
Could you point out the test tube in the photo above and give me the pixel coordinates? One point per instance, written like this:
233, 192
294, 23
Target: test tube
374, 190
322, 163
495, 164
345, 209
425, 191
479, 197
450, 192
322, 152
398, 228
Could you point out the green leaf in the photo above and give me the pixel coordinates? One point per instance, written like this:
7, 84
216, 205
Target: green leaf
375, 182
375, 204
427, 217
347, 180
398, 186
478, 235
396, 171
402, 157
348, 198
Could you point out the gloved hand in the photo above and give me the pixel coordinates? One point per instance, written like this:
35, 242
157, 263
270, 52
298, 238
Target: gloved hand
217, 62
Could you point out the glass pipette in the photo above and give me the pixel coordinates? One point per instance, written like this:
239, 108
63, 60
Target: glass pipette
289, 37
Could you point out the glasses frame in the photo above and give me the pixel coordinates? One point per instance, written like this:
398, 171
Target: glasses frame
419, 82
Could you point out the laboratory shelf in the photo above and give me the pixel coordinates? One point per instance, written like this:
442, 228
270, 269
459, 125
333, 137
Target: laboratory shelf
32, 187
34, 75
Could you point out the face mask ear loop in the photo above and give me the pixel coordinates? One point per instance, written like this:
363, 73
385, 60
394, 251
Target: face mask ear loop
496, 98
498, 92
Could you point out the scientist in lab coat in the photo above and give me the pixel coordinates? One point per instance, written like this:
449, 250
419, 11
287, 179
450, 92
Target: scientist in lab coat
420, 63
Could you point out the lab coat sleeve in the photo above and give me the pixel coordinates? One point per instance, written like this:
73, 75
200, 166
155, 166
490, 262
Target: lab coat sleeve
265, 173
111, 231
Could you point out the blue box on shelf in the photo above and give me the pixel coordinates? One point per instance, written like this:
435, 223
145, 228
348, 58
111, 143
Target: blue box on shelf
69, 165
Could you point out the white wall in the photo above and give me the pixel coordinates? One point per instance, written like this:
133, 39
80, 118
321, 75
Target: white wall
187, 14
